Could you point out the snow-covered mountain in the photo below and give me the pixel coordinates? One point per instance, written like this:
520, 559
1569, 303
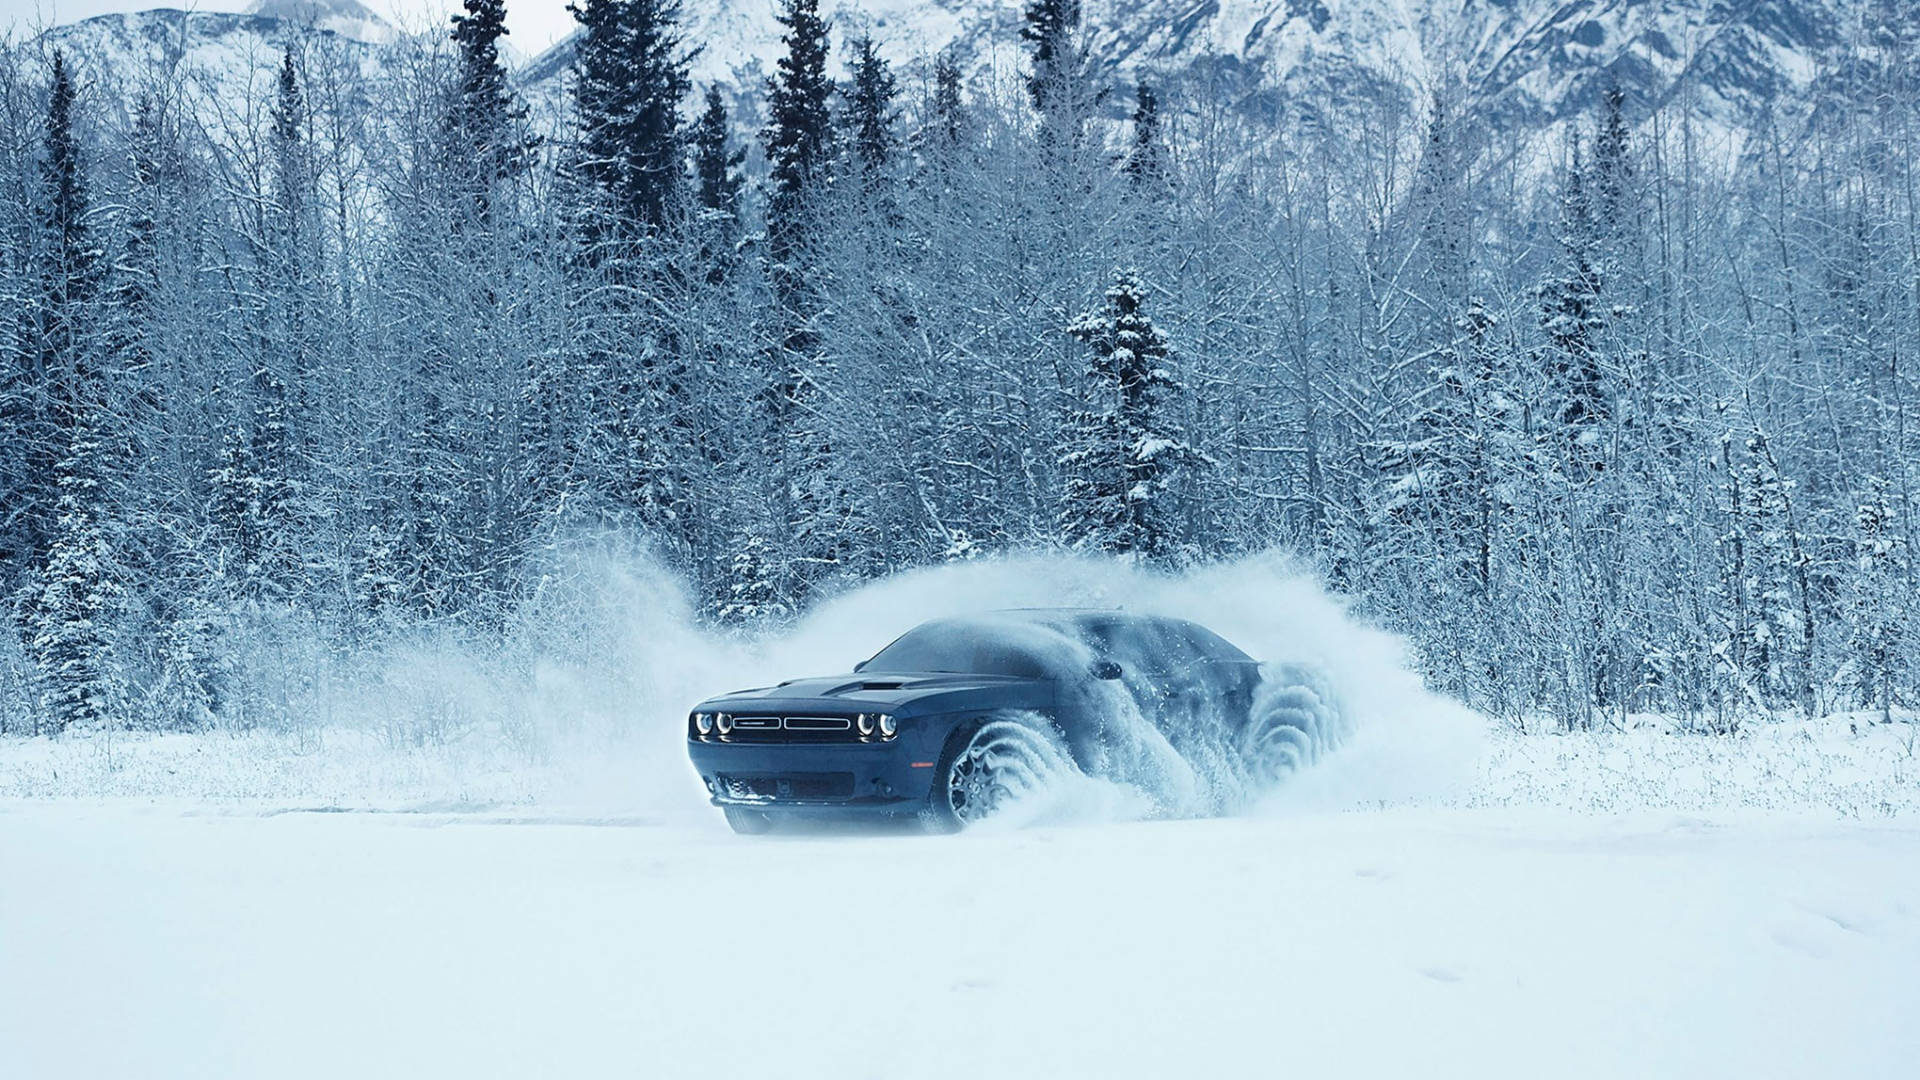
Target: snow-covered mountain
225, 56
1523, 63
347, 18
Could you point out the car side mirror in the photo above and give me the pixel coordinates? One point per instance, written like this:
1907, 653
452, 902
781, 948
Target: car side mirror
1104, 669
861, 666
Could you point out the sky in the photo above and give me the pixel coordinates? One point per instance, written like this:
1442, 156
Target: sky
532, 25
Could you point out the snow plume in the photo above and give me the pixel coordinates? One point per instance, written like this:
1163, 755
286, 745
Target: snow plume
580, 700
615, 659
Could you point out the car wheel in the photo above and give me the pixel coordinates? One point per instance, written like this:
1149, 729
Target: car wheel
748, 821
986, 767
1294, 720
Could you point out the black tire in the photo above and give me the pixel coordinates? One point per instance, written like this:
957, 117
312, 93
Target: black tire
938, 816
1294, 719
1038, 752
747, 821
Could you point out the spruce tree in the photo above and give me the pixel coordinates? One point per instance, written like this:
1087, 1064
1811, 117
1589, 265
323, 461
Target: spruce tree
797, 136
70, 630
1613, 169
949, 117
716, 162
1146, 162
1122, 451
809, 499
282, 371
630, 77
486, 123
1571, 316
1879, 608
870, 112
1052, 29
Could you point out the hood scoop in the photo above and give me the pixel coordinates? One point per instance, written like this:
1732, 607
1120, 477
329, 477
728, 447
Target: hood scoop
860, 685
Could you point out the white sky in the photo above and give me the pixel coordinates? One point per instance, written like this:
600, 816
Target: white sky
532, 25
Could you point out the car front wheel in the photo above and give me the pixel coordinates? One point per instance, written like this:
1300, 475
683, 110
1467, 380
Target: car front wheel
989, 766
748, 821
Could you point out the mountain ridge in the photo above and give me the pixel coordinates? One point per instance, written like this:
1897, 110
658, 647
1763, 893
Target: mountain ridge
1520, 64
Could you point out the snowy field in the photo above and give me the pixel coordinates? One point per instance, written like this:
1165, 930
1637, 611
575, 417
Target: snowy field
171, 940
548, 895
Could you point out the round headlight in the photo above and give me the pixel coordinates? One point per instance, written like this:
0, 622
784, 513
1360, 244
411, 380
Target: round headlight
703, 723
724, 722
865, 723
888, 725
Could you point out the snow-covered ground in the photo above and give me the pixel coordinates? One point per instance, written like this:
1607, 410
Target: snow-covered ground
533, 886
1844, 767
162, 941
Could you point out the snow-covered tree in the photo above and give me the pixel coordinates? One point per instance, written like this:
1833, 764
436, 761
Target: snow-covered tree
1572, 319
1123, 453
871, 113
1146, 161
1880, 614
72, 613
630, 76
716, 161
488, 140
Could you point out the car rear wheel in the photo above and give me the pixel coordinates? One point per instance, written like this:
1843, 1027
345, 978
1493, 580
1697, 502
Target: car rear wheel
748, 821
1295, 719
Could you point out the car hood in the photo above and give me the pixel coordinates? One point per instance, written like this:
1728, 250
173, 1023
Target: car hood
890, 691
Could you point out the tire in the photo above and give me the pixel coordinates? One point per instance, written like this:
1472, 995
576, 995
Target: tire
747, 821
985, 765
1295, 719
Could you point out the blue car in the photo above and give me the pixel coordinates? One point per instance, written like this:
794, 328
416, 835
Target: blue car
960, 717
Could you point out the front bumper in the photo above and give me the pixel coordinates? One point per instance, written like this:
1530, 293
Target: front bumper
884, 778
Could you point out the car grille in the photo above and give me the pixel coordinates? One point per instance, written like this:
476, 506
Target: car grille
818, 723
795, 786
791, 729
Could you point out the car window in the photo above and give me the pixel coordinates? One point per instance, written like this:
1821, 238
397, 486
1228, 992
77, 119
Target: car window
956, 646
1143, 643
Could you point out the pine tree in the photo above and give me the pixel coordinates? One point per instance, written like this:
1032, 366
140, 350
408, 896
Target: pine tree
1146, 162
66, 271
486, 122
1438, 195
870, 113
1122, 454
1052, 29
283, 369
753, 591
77, 604
1614, 194
716, 162
630, 77
70, 631
798, 136
798, 141
1879, 611
1571, 316
949, 113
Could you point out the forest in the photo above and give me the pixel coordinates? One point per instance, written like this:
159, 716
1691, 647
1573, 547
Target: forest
1607, 418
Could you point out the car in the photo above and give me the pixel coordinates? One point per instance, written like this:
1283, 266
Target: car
960, 717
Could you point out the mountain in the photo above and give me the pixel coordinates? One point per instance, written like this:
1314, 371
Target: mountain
347, 18
225, 56
1520, 65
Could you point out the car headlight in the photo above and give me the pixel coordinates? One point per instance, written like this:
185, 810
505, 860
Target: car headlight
888, 725
703, 723
723, 722
864, 723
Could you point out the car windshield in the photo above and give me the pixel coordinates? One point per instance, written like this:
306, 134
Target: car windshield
962, 646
